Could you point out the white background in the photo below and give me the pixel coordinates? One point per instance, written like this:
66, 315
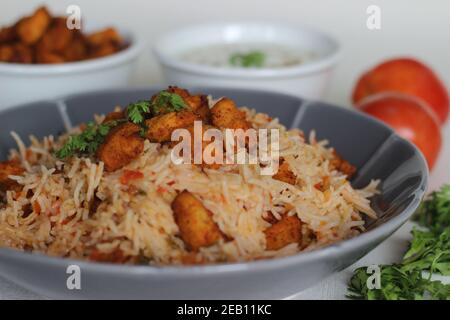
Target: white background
417, 28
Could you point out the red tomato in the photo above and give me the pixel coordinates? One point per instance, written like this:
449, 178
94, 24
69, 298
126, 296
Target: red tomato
129, 175
411, 119
407, 76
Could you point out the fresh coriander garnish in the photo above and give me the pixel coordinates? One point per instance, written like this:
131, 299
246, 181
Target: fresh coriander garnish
86, 142
434, 212
164, 101
170, 102
136, 111
396, 284
429, 251
247, 60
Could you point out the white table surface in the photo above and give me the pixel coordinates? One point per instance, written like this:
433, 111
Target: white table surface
333, 287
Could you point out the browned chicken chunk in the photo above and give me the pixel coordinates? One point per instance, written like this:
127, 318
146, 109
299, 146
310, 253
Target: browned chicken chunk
8, 34
283, 232
197, 228
338, 163
205, 144
121, 146
225, 114
104, 37
113, 116
285, 173
199, 105
31, 29
160, 128
10, 168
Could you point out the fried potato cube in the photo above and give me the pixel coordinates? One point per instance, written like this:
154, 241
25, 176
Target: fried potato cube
31, 29
121, 146
284, 232
285, 173
197, 228
225, 114
338, 163
106, 36
10, 168
160, 128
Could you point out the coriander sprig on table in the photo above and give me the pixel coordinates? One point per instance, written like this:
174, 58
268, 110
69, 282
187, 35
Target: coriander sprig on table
88, 141
429, 251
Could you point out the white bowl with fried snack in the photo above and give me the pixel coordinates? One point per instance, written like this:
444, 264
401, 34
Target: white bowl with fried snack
21, 83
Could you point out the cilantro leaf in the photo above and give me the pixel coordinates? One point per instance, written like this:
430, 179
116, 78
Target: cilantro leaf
434, 212
87, 142
429, 251
247, 60
396, 284
167, 102
136, 111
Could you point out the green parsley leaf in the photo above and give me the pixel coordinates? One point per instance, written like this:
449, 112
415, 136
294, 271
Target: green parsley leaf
396, 284
248, 60
167, 102
136, 111
429, 251
87, 142
434, 212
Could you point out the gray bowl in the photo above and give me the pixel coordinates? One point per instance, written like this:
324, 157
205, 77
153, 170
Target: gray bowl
371, 146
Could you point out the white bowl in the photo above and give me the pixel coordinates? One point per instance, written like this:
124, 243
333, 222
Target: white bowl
22, 83
306, 80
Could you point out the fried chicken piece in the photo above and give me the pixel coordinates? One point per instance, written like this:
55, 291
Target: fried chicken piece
160, 128
57, 37
121, 146
102, 37
205, 144
115, 256
285, 173
199, 105
6, 53
8, 34
338, 163
103, 51
32, 28
113, 116
196, 103
10, 168
16, 53
49, 58
77, 49
283, 232
197, 228
225, 114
